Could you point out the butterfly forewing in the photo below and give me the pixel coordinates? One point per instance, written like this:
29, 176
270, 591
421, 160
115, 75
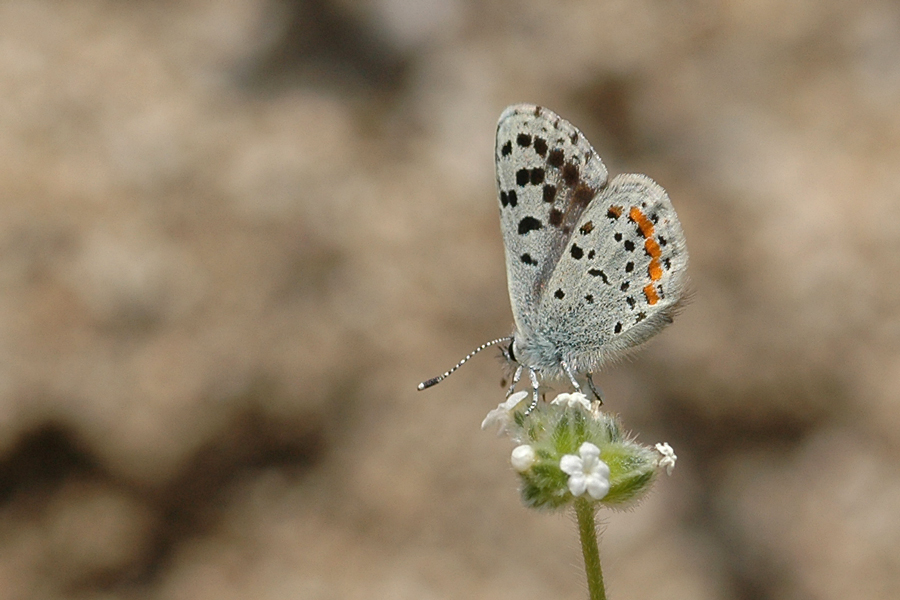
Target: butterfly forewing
547, 175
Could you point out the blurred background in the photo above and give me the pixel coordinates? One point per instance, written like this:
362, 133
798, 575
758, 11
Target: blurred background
235, 235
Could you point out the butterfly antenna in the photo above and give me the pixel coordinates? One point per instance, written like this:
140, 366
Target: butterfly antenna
436, 380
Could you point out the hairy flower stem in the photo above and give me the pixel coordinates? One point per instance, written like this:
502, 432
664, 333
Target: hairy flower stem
587, 531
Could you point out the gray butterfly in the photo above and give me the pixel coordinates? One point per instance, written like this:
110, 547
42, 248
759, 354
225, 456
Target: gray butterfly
594, 267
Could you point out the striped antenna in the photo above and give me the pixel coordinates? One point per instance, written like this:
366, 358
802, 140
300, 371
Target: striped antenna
436, 380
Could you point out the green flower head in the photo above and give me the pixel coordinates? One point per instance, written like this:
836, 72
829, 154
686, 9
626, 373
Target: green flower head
569, 449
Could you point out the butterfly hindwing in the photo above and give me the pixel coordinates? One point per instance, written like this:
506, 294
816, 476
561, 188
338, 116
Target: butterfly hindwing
621, 276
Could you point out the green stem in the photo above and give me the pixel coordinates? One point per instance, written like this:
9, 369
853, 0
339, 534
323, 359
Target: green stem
587, 531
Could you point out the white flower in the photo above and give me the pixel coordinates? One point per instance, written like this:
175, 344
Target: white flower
574, 400
668, 457
502, 415
586, 472
522, 458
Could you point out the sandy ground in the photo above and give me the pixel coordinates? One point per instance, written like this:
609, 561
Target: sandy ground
234, 236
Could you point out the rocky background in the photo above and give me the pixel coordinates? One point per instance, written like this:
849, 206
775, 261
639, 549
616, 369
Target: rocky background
234, 236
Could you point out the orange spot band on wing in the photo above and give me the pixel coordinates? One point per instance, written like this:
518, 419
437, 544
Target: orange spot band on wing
650, 293
643, 223
654, 270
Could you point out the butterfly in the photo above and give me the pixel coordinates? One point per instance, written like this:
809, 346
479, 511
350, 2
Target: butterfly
594, 267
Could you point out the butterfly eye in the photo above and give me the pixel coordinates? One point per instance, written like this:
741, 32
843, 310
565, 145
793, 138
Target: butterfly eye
510, 352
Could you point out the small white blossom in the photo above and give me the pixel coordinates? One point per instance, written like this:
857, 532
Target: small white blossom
586, 472
574, 400
668, 457
522, 458
502, 415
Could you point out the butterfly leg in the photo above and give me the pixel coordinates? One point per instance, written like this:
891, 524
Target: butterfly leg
598, 393
515, 381
571, 375
534, 388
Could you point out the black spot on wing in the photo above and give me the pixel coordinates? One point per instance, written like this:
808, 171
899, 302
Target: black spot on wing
583, 194
598, 273
540, 146
509, 198
570, 173
506, 150
526, 259
549, 193
556, 158
523, 140
556, 217
529, 224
